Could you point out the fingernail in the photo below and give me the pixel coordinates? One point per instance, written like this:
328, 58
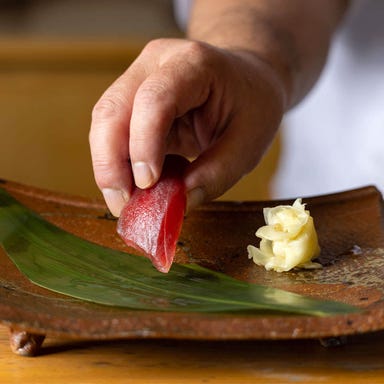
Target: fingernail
195, 197
143, 174
115, 200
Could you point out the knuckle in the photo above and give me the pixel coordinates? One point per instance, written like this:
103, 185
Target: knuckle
102, 181
153, 45
153, 91
156, 98
197, 52
105, 172
106, 108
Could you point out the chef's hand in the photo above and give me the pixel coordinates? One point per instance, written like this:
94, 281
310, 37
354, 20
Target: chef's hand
219, 106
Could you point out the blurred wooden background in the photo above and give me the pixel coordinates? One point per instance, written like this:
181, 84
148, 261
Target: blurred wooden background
56, 59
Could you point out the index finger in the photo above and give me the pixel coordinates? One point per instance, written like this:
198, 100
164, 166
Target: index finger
109, 139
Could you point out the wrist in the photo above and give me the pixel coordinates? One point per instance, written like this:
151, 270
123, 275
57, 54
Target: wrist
278, 81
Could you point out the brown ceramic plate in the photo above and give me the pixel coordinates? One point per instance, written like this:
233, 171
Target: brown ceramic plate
350, 231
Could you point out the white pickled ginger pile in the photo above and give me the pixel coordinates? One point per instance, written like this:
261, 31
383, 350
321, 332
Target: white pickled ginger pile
288, 240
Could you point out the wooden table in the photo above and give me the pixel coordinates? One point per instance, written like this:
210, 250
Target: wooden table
360, 361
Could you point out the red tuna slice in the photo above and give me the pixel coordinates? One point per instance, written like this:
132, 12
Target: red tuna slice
151, 220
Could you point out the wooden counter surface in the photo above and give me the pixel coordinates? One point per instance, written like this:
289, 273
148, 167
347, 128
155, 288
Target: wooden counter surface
360, 361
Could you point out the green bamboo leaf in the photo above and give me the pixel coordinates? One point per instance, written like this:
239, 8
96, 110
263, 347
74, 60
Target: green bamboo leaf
59, 261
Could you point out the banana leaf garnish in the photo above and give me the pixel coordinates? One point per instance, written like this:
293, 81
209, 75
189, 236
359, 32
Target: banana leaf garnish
59, 261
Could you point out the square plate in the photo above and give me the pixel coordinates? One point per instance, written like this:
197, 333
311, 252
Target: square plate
350, 230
